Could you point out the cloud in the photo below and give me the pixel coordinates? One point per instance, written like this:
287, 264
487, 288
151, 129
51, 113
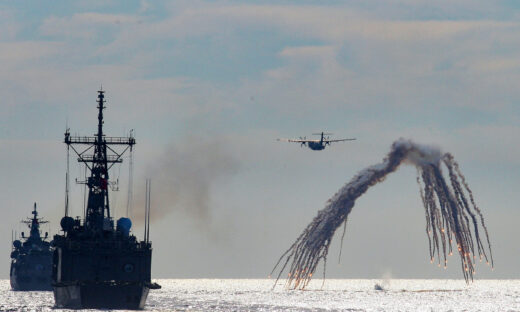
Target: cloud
332, 24
309, 51
23, 53
364, 63
493, 65
9, 26
144, 6
404, 61
89, 25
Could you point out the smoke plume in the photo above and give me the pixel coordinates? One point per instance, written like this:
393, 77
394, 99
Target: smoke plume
450, 210
183, 178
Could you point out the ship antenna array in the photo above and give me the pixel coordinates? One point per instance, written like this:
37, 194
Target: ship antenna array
147, 211
130, 196
67, 175
99, 154
84, 193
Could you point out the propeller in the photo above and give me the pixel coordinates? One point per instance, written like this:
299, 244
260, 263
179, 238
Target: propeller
324, 133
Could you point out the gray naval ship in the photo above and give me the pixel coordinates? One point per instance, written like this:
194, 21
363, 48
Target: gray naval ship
96, 264
31, 261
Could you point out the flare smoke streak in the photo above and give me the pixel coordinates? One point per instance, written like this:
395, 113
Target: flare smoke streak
449, 205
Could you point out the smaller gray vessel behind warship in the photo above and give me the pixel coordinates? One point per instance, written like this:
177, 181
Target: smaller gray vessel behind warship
31, 261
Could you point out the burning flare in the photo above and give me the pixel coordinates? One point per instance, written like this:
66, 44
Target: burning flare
448, 213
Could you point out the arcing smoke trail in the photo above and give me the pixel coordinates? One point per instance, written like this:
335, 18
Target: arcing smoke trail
448, 213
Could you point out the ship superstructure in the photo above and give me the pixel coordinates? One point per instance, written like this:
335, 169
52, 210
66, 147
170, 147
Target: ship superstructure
31, 260
97, 264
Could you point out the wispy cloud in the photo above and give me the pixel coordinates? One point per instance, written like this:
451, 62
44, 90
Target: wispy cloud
88, 25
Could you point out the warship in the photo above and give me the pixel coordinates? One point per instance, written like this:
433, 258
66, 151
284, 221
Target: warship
96, 264
31, 261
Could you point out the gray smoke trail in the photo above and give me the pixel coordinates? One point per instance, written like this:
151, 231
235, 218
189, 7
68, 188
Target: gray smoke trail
183, 179
448, 213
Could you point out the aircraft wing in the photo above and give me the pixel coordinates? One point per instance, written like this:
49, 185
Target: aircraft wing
339, 140
297, 140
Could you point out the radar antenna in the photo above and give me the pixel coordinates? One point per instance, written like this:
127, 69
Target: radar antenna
99, 163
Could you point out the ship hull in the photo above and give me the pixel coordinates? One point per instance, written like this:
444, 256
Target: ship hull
101, 295
23, 283
31, 273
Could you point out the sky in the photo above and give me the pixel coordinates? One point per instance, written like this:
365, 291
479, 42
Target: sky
208, 86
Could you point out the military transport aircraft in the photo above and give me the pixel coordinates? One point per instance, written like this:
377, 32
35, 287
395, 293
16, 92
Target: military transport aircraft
316, 145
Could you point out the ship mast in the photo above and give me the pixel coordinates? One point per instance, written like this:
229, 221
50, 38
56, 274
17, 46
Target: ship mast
99, 163
34, 224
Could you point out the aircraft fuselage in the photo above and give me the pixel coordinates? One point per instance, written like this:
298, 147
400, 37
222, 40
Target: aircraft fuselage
316, 146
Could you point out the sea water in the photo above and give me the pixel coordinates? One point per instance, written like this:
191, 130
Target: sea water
334, 295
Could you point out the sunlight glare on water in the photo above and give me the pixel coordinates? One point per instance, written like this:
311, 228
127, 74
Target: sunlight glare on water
337, 295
